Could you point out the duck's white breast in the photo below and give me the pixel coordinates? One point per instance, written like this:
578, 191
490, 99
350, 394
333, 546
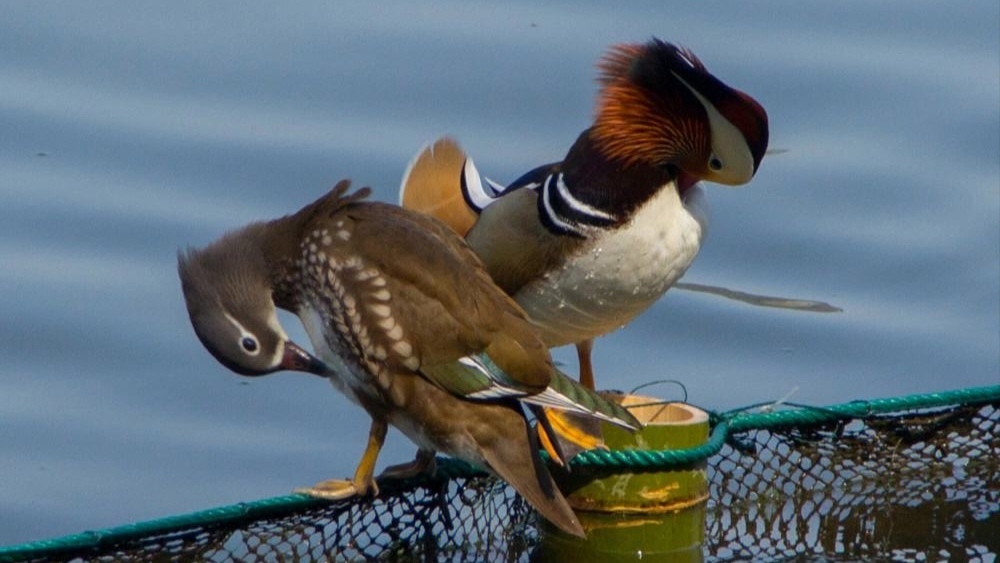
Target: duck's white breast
618, 274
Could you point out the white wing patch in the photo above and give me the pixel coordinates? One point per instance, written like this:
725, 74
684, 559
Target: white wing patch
476, 194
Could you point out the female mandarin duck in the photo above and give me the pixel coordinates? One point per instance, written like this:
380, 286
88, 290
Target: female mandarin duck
586, 244
406, 323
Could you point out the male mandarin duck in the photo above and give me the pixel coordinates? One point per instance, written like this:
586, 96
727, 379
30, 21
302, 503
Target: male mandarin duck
405, 322
586, 244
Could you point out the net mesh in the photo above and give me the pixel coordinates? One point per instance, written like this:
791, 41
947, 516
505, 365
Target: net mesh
920, 485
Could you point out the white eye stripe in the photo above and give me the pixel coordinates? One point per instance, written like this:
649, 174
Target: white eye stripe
729, 147
244, 335
272, 322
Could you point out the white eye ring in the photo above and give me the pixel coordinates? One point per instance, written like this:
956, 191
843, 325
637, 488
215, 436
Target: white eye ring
249, 345
247, 342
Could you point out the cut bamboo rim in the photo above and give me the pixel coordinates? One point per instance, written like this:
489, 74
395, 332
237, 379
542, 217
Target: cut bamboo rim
666, 426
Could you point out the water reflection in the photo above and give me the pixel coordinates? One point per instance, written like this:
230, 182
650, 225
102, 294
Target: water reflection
168, 125
761, 300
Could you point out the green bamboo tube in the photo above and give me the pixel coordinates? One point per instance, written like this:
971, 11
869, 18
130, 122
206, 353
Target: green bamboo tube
631, 513
666, 537
666, 426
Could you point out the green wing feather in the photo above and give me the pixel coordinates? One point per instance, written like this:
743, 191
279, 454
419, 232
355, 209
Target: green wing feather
478, 378
590, 401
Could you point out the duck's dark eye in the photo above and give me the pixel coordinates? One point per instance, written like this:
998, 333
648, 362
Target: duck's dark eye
715, 163
249, 344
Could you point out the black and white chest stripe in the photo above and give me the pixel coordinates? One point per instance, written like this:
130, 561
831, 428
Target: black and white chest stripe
558, 209
563, 213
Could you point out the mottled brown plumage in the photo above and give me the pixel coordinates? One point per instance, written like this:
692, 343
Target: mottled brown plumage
407, 324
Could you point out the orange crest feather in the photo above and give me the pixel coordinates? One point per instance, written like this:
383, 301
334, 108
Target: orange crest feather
637, 125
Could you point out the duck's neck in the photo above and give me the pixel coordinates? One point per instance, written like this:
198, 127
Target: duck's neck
611, 185
277, 242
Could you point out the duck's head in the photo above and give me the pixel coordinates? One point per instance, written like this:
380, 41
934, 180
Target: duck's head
228, 293
660, 106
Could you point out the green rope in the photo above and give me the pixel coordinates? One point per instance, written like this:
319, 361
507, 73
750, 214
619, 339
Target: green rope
806, 416
725, 426
741, 420
275, 507
655, 459
99, 539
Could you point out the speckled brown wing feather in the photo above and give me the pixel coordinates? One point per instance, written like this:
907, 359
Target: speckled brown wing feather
435, 291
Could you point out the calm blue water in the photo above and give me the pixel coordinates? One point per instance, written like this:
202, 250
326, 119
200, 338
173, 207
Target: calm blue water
129, 130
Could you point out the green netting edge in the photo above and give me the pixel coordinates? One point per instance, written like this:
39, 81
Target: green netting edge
725, 425
733, 422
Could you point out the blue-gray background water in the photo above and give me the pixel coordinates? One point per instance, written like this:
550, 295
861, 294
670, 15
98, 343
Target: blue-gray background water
129, 130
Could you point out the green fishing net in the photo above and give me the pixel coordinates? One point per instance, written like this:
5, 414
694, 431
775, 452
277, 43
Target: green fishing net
892, 481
